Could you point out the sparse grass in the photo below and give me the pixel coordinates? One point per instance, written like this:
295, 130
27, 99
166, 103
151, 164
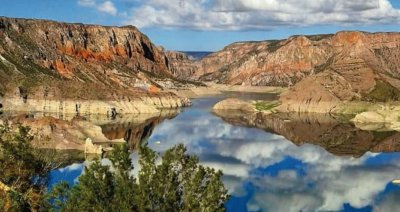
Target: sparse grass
319, 37
266, 105
322, 67
380, 136
274, 46
383, 92
3, 66
356, 107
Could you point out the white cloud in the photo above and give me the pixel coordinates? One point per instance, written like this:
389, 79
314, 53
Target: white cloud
87, 3
72, 167
259, 14
107, 7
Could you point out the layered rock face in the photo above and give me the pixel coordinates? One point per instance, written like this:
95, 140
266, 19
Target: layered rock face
286, 62
47, 60
180, 65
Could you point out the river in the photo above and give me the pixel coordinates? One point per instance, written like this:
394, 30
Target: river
281, 164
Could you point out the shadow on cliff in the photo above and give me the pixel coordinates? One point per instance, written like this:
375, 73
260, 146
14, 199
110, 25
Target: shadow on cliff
335, 134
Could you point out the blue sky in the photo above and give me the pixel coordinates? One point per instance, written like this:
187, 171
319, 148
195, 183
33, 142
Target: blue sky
209, 25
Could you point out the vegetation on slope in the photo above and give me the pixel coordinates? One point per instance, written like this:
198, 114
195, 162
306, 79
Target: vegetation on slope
383, 92
266, 105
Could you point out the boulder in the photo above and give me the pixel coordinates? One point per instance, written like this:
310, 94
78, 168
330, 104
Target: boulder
235, 104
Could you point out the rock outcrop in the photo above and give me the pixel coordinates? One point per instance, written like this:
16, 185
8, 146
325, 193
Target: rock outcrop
235, 104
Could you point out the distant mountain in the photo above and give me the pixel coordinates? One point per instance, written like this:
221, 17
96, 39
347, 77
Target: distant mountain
196, 55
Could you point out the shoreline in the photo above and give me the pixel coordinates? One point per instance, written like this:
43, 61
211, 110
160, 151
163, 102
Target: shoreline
379, 116
213, 89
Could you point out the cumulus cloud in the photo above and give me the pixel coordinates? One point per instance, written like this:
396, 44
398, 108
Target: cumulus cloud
106, 7
259, 14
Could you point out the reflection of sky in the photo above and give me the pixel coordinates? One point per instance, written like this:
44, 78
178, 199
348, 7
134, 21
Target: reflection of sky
68, 174
266, 172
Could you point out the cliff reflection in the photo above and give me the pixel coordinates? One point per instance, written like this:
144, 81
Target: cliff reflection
135, 130
335, 134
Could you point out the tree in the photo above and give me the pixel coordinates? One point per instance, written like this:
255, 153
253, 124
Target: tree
22, 174
179, 183
99, 188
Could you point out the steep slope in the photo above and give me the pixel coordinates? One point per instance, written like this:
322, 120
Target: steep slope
286, 62
42, 59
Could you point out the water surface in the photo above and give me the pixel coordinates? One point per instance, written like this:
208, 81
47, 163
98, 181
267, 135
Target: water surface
284, 163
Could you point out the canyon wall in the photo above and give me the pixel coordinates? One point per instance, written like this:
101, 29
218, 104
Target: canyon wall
51, 63
286, 62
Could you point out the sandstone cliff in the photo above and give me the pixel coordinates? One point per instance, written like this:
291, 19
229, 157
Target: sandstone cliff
46, 60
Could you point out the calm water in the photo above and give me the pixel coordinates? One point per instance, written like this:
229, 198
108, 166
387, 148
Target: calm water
325, 166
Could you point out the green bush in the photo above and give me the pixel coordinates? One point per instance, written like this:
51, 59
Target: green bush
179, 183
